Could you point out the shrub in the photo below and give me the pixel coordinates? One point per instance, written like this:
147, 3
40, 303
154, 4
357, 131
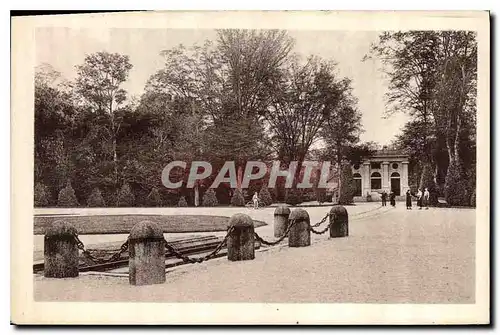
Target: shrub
237, 199
96, 199
210, 199
455, 189
154, 198
67, 197
125, 197
41, 195
182, 202
293, 197
347, 186
265, 196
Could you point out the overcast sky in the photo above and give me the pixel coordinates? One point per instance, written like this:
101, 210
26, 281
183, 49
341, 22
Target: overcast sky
64, 48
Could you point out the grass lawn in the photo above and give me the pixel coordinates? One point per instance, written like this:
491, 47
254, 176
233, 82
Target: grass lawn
122, 224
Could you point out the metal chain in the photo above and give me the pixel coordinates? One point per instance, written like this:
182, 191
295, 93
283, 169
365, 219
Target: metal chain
322, 221
285, 234
321, 231
188, 259
86, 253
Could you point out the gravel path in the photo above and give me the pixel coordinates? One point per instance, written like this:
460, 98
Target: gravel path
391, 256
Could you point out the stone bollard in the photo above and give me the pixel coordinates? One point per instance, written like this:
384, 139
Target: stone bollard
281, 215
146, 254
300, 235
339, 222
240, 243
60, 251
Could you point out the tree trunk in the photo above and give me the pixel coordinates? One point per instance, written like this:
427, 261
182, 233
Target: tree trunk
239, 178
196, 195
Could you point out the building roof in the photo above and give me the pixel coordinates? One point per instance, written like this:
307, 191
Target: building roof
389, 152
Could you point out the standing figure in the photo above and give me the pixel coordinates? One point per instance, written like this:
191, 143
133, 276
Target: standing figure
408, 199
426, 198
255, 199
384, 198
419, 199
392, 198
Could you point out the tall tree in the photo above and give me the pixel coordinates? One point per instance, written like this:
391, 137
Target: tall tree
306, 97
433, 78
228, 82
98, 81
410, 62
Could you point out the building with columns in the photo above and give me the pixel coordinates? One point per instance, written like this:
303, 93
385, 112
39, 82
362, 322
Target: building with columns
386, 170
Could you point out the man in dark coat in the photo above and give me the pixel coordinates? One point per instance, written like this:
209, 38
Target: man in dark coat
392, 198
384, 198
408, 199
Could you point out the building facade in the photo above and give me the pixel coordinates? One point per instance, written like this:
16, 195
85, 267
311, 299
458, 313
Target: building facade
386, 170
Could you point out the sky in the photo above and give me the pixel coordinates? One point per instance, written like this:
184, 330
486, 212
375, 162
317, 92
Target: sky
64, 48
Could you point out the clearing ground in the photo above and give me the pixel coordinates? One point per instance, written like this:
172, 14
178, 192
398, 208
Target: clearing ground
391, 256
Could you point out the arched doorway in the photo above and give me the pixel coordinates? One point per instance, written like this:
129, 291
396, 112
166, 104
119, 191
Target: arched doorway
357, 184
396, 183
376, 181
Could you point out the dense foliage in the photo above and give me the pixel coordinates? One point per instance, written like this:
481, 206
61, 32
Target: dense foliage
245, 96
237, 199
433, 79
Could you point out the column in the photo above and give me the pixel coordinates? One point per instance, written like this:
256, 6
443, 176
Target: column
404, 177
385, 176
365, 181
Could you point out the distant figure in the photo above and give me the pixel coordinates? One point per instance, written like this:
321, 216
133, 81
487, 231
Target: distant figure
426, 198
408, 199
384, 198
255, 199
392, 198
419, 199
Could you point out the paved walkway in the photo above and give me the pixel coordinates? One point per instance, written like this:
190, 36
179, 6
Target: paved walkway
391, 256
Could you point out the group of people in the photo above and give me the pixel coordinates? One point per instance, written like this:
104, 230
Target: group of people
392, 198
422, 199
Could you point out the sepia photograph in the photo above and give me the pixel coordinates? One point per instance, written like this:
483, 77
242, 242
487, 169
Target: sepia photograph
251, 168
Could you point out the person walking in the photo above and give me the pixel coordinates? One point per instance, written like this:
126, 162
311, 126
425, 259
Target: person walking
408, 199
392, 198
426, 198
384, 198
419, 199
255, 199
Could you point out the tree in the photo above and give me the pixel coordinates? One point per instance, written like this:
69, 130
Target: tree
209, 198
229, 84
67, 197
154, 198
182, 202
410, 61
125, 197
433, 79
265, 196
455, 105
55, 118
237, 199
96, 199
342, 130
346, 192
306, 97
455, 190
98, 81
42, 196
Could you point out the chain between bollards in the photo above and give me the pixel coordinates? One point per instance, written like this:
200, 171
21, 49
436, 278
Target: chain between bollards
285, 234
321, 222
320, 232
188, 259
86, 253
